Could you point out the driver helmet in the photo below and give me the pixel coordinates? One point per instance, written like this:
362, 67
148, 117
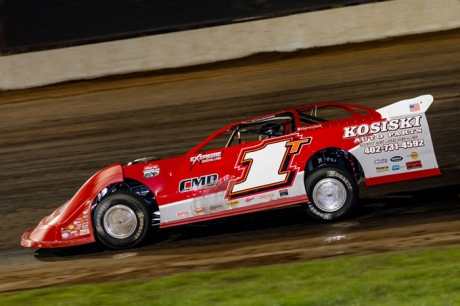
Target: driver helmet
270, 130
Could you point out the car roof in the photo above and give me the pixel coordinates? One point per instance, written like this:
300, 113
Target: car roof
355, 110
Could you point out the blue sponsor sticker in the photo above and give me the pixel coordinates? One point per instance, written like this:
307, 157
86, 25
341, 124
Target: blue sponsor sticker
395, 167
396, 158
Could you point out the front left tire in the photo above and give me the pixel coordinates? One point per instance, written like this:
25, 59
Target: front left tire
121, 220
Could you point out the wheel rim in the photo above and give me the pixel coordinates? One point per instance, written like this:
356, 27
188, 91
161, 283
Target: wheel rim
329, 195
120, 221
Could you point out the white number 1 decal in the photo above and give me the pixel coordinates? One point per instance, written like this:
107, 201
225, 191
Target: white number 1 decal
267, 167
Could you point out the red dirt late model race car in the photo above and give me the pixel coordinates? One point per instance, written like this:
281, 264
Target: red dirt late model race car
314, 155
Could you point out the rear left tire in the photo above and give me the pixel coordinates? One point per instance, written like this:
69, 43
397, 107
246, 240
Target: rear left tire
332, 193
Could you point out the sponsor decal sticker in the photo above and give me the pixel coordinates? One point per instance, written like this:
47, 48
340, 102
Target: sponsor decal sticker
216, 207
71, 227
199, 210
284, 193
249, 199
414, 165
382, 169
414, 155
380, 161
182, 214
396, 158
205, 158
151, 171
84, 232
64, 233
269, 196
414, 107
310, 127
395, 167
233, 203
195, 183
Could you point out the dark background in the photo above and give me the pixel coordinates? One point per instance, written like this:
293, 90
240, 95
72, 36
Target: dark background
30, 25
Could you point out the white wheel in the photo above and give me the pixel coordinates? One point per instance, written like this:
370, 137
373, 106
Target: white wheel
120, 221
329, 194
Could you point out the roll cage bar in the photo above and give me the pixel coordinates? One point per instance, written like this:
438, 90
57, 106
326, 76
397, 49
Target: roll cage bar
306, 114
255, 127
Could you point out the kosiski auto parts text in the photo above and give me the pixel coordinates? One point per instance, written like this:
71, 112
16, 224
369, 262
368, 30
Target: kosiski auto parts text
382, 126
401, 134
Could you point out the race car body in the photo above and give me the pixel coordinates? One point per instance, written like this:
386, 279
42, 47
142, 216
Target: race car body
314, 155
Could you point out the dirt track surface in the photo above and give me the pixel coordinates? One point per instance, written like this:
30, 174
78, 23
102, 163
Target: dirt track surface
53, 139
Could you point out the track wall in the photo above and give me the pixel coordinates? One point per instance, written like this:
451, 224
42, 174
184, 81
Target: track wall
31, 25
323, 28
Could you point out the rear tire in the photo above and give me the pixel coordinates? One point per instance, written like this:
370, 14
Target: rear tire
121, 220
332, 193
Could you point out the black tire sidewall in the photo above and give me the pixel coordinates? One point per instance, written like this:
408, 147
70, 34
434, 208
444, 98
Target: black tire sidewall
132, 201
342, 176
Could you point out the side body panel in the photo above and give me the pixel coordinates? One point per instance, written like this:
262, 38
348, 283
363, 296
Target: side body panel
397, 148
235, 180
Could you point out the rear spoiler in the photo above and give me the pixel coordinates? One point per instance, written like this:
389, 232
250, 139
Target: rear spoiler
409, 106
